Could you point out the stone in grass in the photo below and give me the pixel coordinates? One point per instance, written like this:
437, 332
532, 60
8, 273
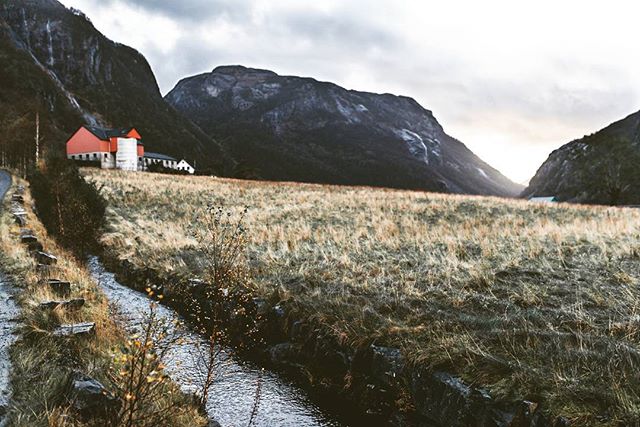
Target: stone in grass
90, 399
20, 220
77, 329
28, 238
60, 287
73, 304
45, 258
35, 246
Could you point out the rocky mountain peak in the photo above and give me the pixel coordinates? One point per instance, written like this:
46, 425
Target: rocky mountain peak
297, 128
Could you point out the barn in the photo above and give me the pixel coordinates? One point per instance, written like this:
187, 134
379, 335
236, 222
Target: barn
120, 148
110, 148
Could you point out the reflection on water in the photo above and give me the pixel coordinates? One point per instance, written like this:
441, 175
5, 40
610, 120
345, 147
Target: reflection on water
233, 394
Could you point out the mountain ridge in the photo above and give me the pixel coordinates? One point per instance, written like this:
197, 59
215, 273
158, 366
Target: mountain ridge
289, 119
600, 168
105, 82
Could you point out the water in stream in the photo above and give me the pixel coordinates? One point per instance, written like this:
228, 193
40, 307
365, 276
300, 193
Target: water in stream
233, 394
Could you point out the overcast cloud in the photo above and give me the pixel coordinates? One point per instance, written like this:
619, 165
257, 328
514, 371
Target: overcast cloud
513, 81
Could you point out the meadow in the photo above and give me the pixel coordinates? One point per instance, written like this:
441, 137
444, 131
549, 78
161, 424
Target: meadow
533, 301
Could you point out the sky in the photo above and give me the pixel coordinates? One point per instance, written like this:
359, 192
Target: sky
513, 80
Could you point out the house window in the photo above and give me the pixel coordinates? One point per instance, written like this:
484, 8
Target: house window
95, 156
86, 156
106, 156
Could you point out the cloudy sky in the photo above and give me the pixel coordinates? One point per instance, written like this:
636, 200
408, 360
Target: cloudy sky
511, 79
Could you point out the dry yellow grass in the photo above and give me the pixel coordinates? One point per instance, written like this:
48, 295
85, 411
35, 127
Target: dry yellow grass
532, 301
41, 363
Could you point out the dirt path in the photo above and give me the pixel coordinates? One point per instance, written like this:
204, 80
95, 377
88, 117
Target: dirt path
8, 314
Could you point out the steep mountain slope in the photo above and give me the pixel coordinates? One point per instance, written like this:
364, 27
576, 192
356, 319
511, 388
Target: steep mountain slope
61, 64
292, 128
601, 168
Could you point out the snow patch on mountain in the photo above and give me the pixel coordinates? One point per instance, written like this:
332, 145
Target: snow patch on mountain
415, 143
213, 91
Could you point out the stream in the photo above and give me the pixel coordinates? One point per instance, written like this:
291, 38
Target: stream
233, 395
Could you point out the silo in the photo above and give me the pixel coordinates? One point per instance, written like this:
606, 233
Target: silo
127, 155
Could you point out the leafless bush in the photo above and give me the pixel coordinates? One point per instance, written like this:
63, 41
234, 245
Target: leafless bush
139, 375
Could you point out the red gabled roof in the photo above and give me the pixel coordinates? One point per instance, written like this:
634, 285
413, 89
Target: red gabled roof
106, 134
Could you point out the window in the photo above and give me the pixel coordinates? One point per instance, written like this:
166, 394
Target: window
106, 156
86, 156
95, 156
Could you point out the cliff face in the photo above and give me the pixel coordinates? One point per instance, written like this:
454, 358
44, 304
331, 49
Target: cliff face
95, 80
602, 168
299, 129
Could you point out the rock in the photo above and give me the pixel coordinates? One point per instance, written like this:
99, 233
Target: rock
524, 413
386, 364
28, 238
45, 258
78, 329
20, 220
35, 246
561, 422
261, 306
283, 353
90, 399
59, 287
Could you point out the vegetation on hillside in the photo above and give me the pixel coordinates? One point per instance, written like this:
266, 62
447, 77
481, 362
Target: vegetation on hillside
529, 300
71, 208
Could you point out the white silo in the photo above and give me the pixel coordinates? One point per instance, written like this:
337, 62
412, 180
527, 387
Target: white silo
127, 154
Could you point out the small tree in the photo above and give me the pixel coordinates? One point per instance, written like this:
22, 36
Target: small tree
221, 238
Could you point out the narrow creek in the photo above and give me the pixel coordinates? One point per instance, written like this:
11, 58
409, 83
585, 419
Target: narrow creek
233, 394
8, 315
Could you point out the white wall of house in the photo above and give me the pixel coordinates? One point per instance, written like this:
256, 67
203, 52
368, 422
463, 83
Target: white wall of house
107, 160
184, 166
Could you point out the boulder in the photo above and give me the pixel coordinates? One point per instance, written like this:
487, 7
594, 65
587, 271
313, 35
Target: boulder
386, 364
21, 220
90, 399
45, 258
284, 353
35, 247
59, 287
77, 329
28, 238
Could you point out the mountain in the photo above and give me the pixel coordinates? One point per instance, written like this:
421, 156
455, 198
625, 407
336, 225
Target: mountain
602, 168
300, 129
55, 61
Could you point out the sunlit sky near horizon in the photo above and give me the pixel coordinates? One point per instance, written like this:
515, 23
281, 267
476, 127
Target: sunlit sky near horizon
512, 80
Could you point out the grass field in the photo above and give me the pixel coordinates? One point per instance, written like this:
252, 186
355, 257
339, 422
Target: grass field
529, 300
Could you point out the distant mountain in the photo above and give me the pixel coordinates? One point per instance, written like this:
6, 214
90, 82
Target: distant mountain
54, 61
602, 168
300, 129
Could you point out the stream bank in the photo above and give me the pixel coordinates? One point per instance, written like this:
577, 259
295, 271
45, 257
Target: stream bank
371, 384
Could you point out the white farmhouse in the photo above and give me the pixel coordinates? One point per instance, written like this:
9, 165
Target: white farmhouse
184, 166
